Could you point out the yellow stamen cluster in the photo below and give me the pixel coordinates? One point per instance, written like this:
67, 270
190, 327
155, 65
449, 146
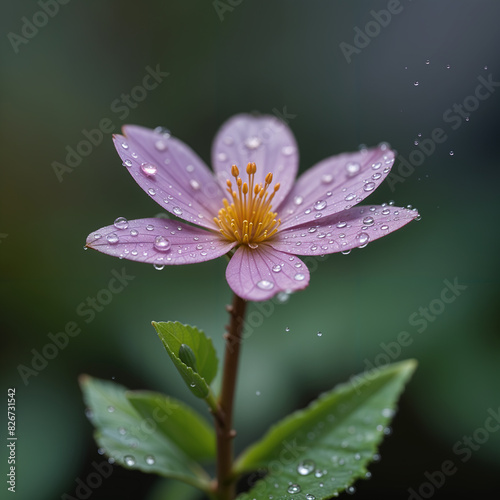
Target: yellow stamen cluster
248, 219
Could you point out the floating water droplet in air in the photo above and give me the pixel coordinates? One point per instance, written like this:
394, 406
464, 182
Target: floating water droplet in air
415, 84
448, 66
294, 488
306, 467
452, 153
148, 169
427, 61
319, 334
265, 285
112, 238
287, 329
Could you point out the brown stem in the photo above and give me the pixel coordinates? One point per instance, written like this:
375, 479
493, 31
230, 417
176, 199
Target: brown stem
226, 488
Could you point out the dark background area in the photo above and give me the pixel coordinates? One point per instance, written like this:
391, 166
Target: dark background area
272, 57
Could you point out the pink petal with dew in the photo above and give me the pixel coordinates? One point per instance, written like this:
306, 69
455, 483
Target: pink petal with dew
158, 241
259, 274
352, 228
335, 184
171, 174
264, 140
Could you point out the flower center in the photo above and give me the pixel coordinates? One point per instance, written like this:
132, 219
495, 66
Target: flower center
248, 219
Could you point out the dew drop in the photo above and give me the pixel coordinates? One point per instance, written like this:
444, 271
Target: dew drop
152, 191
369, 186
327, 178
298, 200
124, 145
415, 84
122, 431
222, 156
350, 197
134, 232
310, 497
277, 268
384, 227
448, 66
148, 169
427, 61
294, 488
252, 142
129, 460
306, 467
363, 238
158, 267
177, 210
265, 285
452, 153
353, 168
127, 163
111, 409
320, 205
351, 490
376, 166
368, 221
150, 227
287, 329
319, 334
299, 277
346, 252
112, 238
160, 145
288, 150
121, 223
150, 460
194, 184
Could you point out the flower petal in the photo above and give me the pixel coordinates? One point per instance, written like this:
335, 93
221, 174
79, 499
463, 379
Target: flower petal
352, 228
259, 274
171, 173
159, 242
335, 184
264, 140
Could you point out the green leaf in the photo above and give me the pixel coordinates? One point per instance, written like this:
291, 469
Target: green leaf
180, 424
322, 449
141, 439
197, 362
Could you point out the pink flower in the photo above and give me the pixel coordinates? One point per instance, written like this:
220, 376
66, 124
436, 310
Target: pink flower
252, 207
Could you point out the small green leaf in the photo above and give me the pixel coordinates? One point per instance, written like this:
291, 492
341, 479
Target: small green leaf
179, 423
186, 355
142, 439
322, 449
198, 375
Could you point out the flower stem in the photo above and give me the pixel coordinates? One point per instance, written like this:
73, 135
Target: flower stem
226, 487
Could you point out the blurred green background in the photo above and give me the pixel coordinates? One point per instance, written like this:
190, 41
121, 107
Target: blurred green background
239, 56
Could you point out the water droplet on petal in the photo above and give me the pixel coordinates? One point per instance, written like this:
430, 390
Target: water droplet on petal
288, 150
384, 227
294, 488
158, 267
194, 184
129, 460
152, 191
277, 268
112, 238
127, 163
177, 210
368, 221
320, 205
298, 200
150, 227
124, 145
160, 145
327, 178
353, 168
161, 244
369, 186
121, 223
350, 197
265, 285
148, 169
299, 277
363, 238
252, 142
